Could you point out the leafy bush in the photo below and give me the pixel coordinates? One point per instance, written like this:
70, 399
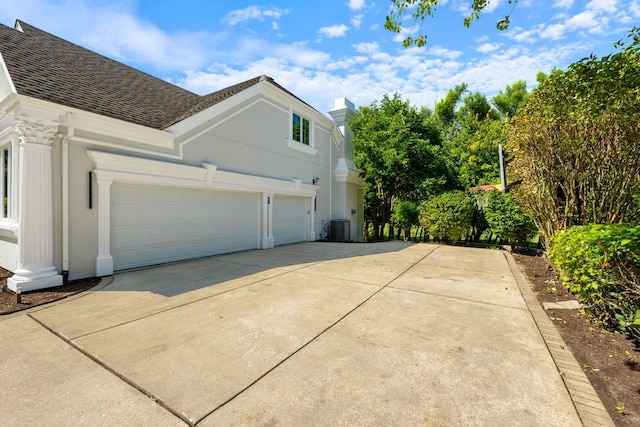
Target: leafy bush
601, 264
507, 220
449, 215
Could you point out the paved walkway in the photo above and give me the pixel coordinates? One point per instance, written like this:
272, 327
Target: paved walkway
310, 334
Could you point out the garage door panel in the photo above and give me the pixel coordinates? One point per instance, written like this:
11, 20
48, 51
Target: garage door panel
290, 219
153, 225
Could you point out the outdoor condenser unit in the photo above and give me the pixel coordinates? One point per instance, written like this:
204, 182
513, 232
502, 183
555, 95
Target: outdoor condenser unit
340, 230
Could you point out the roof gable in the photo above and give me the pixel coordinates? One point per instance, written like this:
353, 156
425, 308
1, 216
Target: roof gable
49, 68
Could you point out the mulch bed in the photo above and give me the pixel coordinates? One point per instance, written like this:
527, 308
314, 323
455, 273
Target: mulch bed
9, 300
610, 360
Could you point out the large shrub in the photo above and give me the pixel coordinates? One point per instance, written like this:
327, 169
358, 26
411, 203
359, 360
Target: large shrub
507, 220
601, 264
575, 143
449, 215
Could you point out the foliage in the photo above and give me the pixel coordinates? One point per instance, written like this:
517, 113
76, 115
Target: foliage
476, 106
575, 144
507, 220
509, 101
449, 215
398, 151
473, 151
445, 108
601, 264
405, 215
420, 9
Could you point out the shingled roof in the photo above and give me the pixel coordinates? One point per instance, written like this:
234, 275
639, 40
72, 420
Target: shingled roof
49, 68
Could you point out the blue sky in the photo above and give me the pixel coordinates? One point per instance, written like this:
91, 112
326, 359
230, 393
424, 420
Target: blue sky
322, 50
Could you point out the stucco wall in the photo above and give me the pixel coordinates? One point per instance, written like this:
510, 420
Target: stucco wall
254, 141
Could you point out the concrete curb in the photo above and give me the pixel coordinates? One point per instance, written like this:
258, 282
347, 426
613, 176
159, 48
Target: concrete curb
585, 399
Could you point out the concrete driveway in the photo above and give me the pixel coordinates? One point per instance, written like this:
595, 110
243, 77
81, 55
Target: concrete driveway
309, 334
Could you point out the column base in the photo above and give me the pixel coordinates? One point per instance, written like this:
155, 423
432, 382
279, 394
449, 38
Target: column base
104, 265
267, 243
31, 280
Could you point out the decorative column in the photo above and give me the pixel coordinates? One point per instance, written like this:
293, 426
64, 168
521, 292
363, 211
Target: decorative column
267, 221
35, 269
312, 219
104, 261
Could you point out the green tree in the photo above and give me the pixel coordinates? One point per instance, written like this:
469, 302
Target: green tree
405, 215
399, 154
575, 143
420, 9
507, 220
473, 151
448, 216
475, 105
445, 109
509, 101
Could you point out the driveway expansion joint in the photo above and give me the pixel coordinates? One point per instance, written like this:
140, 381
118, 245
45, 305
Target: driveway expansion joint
114, 372
324, 331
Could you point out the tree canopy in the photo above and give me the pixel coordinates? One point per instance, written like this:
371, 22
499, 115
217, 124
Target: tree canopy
421, 9
399, 154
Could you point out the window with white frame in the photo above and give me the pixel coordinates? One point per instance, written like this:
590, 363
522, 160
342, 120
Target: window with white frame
5, 181
300, 129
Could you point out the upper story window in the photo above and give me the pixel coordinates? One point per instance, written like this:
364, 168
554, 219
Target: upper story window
301, 134
300, 129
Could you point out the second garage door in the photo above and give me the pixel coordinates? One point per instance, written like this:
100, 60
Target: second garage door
154, 225
290, 219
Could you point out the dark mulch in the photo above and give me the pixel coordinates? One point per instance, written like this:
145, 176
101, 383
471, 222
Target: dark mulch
9, 300
610, 360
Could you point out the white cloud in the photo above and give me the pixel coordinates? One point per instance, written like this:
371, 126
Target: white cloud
492, 5
334, 31
367, 47
583, 20
356, 21
446, 53
603, 5
488, 47
553, 32
251, 13
356, 4
563, 4
634, 8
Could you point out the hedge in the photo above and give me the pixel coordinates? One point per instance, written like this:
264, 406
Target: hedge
601, 265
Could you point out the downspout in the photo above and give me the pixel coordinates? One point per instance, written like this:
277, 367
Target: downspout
65, 197
331, 176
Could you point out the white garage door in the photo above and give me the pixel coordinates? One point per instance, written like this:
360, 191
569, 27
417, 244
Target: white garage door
290, 219
154, 225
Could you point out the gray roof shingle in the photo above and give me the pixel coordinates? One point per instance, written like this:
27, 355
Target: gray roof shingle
49, 68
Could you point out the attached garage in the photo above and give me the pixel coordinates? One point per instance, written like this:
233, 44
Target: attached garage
154, 224
290, 219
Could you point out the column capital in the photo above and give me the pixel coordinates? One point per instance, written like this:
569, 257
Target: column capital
34, 131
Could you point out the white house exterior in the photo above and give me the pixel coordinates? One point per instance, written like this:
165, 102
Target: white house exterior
107, 168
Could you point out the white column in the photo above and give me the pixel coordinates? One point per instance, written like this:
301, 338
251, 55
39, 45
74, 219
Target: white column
267, 221
312, 219
35, 230
104, 261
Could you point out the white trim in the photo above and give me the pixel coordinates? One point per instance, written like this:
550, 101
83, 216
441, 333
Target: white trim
346, 171
301, 147
5, 71
146, 171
